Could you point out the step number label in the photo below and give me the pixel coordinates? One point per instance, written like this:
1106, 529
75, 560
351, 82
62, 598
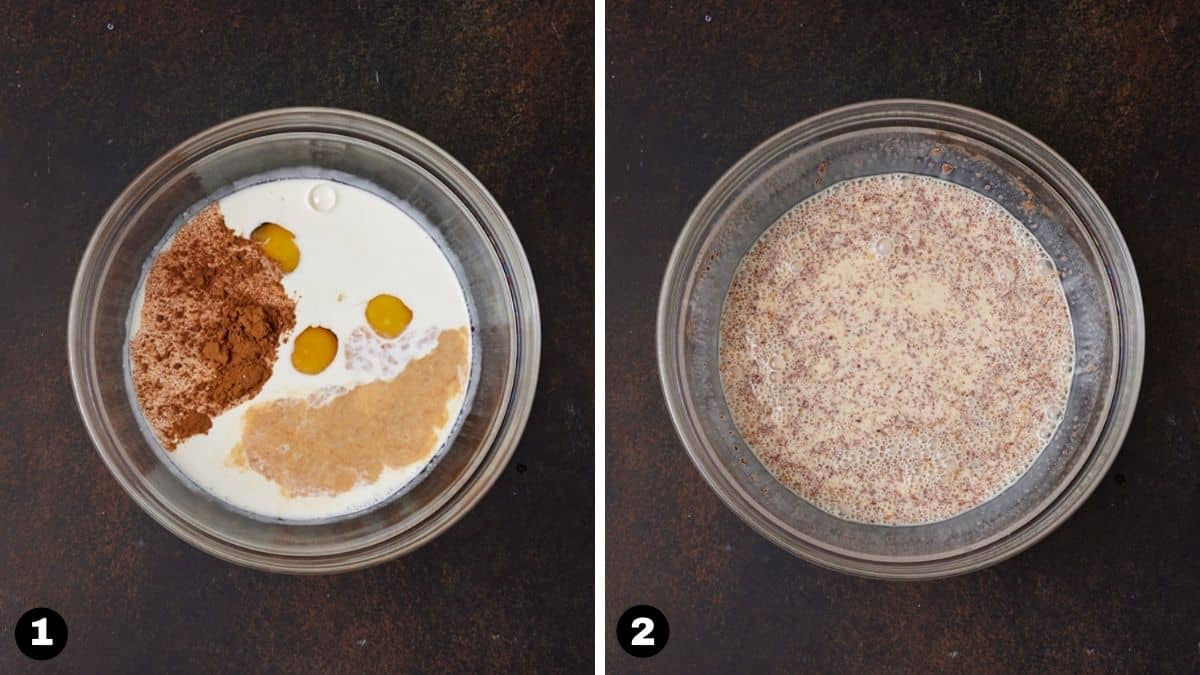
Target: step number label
41, 640
41, 633
642, 631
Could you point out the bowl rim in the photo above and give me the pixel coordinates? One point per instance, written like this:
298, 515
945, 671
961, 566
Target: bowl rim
518, 392
1129, 333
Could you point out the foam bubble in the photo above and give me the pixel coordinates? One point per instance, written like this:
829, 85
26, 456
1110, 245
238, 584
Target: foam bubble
322, 197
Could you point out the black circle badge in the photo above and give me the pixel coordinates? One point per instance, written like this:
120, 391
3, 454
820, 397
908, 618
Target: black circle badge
41, 634
643, 631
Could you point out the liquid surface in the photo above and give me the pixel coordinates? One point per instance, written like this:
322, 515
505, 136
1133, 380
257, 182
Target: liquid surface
896, 349
353, 246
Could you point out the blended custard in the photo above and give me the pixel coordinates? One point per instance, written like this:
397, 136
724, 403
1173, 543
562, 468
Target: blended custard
896, 349
363, 373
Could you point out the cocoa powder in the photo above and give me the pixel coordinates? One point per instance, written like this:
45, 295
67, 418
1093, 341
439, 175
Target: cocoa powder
212, 315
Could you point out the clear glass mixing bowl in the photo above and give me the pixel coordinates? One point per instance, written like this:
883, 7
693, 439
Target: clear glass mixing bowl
979, 152
409, 171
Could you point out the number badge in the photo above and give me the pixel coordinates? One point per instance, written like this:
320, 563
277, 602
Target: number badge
642, 631
41, 634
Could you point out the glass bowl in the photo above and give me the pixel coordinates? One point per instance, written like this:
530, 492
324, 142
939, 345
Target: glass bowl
968, 148
400, 166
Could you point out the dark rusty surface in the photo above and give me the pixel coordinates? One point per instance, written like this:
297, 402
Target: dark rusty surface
88, 97
1111, 86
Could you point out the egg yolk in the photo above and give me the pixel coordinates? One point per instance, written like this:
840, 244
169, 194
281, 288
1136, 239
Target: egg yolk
388, 315
279, 244
314, 350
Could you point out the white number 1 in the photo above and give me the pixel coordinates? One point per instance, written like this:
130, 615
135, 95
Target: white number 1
642, 639
41, 640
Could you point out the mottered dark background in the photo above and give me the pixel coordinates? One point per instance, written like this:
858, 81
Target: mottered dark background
1113, 87
92, 93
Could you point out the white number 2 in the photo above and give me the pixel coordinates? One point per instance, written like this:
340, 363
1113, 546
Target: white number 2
41, 640
642, 639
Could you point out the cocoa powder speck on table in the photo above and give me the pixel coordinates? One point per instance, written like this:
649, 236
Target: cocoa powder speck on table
213, 312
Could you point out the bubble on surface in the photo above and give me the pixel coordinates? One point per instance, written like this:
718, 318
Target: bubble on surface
322, 197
